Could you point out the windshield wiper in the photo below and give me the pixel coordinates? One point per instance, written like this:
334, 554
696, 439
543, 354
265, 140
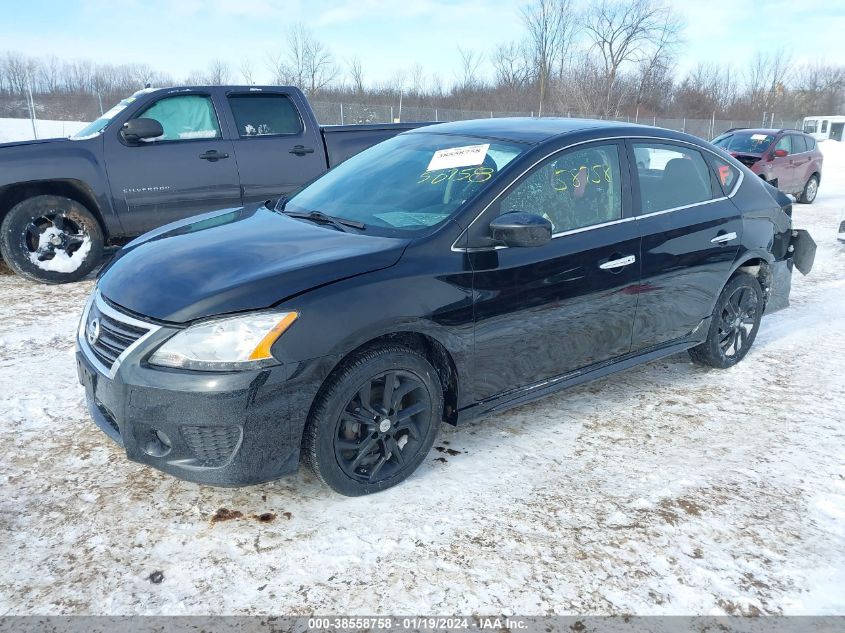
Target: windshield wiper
324, 218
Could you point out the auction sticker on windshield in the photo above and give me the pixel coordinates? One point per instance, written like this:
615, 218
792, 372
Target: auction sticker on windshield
453, 157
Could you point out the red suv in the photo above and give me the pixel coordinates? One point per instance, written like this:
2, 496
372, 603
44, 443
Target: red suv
788, 159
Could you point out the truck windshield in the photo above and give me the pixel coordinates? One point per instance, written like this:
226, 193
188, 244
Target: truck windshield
745, 142
408, 184
95, 127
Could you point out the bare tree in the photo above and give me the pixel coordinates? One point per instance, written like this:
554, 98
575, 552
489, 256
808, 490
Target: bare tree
511, 66
247, 71
470, 65
218, 72
306, 62
416, 75
622, 33
356, 73
653, 73
766, 80
819, 88
551, 27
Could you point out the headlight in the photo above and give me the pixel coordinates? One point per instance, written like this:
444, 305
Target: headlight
232, 343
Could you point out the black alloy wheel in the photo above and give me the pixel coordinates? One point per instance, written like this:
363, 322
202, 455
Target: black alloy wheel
733, 324
374, 421
381, 425
738, 319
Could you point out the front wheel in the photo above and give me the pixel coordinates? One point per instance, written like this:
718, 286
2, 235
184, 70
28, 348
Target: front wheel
733, 325
51, 239
375, 421
811, 189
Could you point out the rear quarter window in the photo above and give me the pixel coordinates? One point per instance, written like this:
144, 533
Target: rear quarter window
726, 173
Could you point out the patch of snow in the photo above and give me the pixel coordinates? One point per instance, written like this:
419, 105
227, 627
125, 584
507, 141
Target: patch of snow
12, 130
61, 262
665, 489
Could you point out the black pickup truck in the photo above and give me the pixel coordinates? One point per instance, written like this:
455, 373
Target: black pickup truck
156, 157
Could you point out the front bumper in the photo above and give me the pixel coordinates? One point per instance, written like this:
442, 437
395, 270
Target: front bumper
221, 429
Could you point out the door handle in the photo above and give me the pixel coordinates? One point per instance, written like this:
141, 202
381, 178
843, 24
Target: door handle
618, 263
301, 150
213, 155
723, 238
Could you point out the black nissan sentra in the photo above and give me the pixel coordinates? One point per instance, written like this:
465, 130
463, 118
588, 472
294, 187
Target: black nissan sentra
446, 274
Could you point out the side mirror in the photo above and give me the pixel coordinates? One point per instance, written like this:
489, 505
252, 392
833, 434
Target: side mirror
521, 229
138, 130
781, 153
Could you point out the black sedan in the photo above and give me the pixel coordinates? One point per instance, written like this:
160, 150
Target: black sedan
446, 274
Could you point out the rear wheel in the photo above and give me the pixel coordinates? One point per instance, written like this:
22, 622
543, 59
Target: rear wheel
51, 239
733, 325
811, 189
375, 422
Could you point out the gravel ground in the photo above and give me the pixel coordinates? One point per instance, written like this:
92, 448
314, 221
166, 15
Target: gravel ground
667, 489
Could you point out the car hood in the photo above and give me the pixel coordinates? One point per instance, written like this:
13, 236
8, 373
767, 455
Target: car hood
236, 260
747, 158
33, 142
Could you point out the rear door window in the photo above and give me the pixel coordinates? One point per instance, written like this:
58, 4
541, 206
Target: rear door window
811, 143
671, 176
265, 115
184, 118
799, 146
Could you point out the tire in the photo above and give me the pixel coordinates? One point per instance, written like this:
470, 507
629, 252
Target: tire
51, 239
811, 190
733, 325
349, 442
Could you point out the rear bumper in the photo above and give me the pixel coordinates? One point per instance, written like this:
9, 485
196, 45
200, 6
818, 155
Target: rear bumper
227, 429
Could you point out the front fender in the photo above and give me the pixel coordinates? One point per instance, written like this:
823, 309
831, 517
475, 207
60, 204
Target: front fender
75, 163
341, 317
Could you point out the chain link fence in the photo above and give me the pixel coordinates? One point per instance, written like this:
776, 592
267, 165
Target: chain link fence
353, 113
88, 107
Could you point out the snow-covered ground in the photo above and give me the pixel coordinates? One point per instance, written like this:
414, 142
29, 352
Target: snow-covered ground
21, 129
667, 489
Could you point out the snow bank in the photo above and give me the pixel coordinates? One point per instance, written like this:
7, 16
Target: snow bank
21, 129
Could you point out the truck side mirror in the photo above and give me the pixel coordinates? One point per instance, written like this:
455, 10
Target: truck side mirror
138, 130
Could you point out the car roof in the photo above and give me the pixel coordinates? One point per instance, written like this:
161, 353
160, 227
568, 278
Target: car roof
765, 130
529, 130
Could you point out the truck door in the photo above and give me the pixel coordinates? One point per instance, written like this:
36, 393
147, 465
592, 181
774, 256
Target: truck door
189, 170
276, 150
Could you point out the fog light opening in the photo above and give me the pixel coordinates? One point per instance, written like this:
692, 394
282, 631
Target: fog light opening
157, 444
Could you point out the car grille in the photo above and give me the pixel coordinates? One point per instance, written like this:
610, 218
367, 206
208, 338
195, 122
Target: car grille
211, 445
108, 333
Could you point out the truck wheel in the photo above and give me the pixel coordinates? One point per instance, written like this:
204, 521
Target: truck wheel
734, 324
810, 190
51, 239
375, 422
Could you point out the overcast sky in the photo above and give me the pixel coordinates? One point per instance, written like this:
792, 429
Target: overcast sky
181, 36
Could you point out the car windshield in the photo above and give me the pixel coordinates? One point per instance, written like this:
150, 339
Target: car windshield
745, 142
407, 184
95, 127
